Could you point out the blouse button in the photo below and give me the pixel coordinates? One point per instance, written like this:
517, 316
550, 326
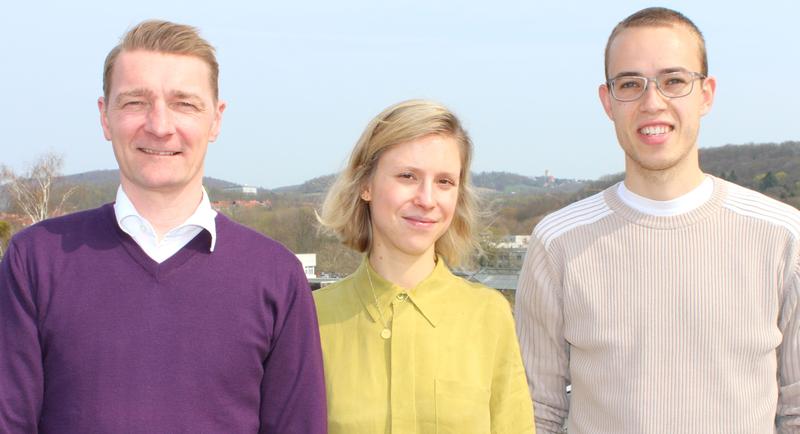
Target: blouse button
401, 297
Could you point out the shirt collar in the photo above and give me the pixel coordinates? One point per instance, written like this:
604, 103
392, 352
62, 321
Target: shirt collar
428, 296
690, 201
204, 216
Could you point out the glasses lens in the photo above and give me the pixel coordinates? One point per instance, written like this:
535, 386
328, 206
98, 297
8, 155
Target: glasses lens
628, 88
675, 84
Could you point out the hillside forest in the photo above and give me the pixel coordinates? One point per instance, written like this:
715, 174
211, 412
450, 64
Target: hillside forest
512, 203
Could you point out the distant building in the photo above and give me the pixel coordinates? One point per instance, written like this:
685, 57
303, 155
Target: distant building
514, 242
17, 220
508, 252
309, 261
252, 203
244, 189
549, 180
321, 282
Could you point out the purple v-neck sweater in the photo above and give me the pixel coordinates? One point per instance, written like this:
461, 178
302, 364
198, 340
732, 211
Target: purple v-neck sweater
96, 337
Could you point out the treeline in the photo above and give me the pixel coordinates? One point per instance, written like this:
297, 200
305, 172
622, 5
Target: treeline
773, 169
513, 204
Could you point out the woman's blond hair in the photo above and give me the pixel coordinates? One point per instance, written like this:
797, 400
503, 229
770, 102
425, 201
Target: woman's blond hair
344, 212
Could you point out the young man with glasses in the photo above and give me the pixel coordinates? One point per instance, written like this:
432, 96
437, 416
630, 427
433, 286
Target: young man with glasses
669, 302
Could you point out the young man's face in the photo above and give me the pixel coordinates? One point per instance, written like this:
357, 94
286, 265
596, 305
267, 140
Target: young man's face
160, 116
657, 133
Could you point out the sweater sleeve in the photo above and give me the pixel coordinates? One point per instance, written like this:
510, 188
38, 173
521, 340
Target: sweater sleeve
510, 403
788, 417
293, 387
540, 325
21, 376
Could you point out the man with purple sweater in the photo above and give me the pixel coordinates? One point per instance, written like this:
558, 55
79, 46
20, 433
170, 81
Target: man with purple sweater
155, 314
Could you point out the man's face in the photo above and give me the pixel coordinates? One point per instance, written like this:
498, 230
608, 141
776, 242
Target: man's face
657, 133
160, 116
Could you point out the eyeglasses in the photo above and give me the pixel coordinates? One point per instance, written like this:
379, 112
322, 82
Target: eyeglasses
671, 84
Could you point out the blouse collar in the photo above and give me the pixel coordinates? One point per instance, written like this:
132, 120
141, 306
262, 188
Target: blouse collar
428, 297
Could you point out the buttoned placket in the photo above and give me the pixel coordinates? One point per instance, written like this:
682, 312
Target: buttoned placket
402, 366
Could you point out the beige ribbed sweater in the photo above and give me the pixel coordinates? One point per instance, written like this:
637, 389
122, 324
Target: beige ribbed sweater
675, 324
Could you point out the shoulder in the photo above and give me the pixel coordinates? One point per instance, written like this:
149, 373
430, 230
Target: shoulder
475, 296
82, 224
482, 311
336, 302
236, 239
581, 213
752, 204
334, 294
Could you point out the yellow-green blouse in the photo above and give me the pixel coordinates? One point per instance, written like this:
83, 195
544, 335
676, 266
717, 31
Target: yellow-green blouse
451, 365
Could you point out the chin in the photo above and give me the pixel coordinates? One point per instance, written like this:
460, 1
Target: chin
417, 250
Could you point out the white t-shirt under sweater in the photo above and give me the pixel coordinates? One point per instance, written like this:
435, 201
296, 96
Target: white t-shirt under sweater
689, 201
686, 323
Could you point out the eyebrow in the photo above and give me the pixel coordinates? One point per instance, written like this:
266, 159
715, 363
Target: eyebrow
143, 92
416, 169
639, 74
133, 93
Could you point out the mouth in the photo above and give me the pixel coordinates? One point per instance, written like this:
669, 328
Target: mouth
655, 130
422, 222
158, 153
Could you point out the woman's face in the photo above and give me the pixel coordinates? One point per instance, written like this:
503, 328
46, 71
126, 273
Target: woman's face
413, 194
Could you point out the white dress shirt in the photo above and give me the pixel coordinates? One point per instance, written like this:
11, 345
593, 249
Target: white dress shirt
663, 208
133, 224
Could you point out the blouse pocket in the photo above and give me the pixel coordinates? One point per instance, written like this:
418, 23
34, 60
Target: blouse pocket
461, 408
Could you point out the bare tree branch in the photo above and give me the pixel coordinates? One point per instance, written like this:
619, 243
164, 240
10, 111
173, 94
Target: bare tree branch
32, 191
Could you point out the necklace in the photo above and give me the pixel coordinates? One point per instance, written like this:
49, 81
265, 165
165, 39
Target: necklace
385, 333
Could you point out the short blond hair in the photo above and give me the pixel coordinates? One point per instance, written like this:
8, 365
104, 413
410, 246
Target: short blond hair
164, 37
660, 17
344, 212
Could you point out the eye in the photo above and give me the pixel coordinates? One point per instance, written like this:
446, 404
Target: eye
407, 175
628, 83
186, 105
133, 103
677, 79
674, 81
447, 182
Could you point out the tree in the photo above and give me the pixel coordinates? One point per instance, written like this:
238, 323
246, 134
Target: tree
5, 234
33, 191
769, 181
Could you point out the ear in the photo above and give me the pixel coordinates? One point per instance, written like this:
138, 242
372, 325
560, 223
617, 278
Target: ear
605, 99
709, 90
366, 194
101, 105
217, 124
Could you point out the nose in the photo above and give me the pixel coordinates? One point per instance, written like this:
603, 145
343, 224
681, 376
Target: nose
652, 100
159, 120
424, 195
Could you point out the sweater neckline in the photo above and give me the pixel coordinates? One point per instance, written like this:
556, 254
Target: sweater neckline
704, 211
159, 271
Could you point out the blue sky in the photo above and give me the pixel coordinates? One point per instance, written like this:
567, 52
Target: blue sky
302, 78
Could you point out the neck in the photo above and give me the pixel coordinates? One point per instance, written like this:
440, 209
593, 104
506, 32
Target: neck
403, 270
665, 184
164, 210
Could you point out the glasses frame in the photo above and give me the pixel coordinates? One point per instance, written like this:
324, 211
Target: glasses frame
648, 80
